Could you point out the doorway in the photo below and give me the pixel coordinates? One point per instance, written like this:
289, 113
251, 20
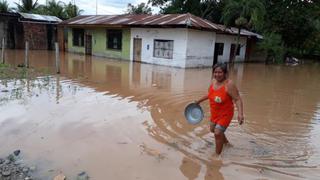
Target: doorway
137, 42
88, 45
232, 52
218, 51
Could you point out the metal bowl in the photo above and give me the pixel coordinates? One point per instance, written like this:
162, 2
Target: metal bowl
193, 113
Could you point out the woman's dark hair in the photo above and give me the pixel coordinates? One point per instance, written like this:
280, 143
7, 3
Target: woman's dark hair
223, 67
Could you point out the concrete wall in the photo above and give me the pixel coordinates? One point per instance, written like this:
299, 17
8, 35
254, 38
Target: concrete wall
191, 48
228, 40
200, 48
148, 35
71, 48
99, 44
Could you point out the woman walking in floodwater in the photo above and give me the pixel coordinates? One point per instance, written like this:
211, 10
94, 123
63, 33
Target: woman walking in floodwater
222, 94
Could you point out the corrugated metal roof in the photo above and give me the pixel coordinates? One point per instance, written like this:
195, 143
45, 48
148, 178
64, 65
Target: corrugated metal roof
39, 17
187, 20
145, 20
244, 32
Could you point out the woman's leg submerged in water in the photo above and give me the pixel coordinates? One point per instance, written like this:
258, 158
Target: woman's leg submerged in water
220, 137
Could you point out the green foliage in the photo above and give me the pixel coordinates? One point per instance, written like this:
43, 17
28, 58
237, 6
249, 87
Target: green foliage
4, 7
72, 10
52, 8
297, 22
3, 65
27, 6
207, 9
56, 8
244, 13
292, 19
141, 8
11, 72
272, 43
311, 45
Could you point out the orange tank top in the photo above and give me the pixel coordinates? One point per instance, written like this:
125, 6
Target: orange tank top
221, 105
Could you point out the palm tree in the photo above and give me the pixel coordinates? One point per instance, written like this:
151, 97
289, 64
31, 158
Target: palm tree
243, 14
27, 6
4, 6
72, 10
141, 8
55, 8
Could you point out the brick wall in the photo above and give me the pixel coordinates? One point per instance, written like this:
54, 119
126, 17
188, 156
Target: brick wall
36, 34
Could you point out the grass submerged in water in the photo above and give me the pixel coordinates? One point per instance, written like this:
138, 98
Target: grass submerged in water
10, 72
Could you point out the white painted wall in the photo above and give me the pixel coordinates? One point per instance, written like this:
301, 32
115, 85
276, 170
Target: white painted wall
178, 35
228, 40
191, 48
200, 48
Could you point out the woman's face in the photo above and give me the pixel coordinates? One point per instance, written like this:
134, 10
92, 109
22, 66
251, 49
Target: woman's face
219, 75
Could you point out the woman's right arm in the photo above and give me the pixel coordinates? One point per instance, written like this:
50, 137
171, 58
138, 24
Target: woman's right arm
202, 99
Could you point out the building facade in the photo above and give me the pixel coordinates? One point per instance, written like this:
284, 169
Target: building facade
178, 40
39, 30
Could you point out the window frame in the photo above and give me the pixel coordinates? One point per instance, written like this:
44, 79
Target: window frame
220, 49
111, 35
78, 34
163, 49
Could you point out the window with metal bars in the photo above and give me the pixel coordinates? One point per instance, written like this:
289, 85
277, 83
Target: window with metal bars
163, 48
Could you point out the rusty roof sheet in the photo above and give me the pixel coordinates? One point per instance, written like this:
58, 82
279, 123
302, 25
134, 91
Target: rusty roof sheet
38, 17
187, 20
145, 20
244, 32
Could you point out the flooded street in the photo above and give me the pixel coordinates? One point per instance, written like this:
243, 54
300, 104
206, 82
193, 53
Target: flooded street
121, 120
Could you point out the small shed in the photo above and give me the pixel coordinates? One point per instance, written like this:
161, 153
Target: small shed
39, 30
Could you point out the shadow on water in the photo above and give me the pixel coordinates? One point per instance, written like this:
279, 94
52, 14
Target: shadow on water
140, 107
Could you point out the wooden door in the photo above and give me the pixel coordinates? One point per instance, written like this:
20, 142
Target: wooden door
88, 45
137, 42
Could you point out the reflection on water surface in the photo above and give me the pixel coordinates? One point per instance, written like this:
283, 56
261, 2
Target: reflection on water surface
108, 116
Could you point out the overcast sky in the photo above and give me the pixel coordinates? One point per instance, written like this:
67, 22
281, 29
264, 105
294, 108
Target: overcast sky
104, 6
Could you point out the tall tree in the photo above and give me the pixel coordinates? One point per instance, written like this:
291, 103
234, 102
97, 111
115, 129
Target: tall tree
4, 6
141, 8
207, 9
56, 8
296, 21
27, 6
243, 14
72, 10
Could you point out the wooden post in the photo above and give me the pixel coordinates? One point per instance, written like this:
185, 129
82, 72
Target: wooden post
2, 52
57, 58
26, 55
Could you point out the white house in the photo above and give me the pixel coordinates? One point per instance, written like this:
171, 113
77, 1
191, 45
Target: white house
178, 40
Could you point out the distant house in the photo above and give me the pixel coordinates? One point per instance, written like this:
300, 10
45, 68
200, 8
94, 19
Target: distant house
179, 40
39, 30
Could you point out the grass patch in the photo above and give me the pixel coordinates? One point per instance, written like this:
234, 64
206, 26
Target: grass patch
10, 72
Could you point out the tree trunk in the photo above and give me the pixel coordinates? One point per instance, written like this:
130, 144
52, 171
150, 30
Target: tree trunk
237, 46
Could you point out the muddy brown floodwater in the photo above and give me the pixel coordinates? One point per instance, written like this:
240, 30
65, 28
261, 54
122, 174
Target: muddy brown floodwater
121, 120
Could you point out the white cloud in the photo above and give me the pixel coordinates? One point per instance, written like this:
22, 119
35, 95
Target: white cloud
104, 7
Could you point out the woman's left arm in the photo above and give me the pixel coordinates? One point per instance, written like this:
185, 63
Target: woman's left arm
232, 90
